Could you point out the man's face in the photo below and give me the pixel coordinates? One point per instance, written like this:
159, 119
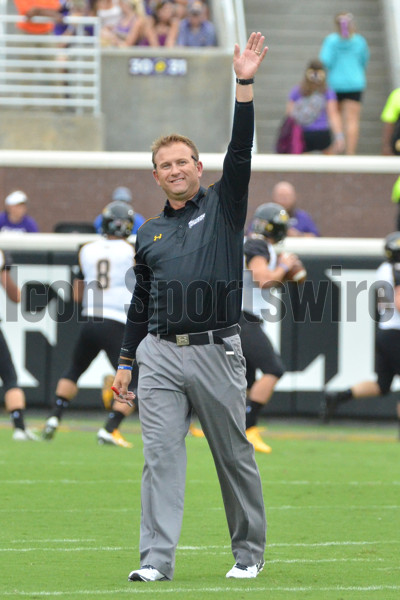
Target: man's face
195, 18
17, 212
177, 173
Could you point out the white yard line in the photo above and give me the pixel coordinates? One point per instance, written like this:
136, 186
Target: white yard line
269, 508
186, 549
138, 481
163, 589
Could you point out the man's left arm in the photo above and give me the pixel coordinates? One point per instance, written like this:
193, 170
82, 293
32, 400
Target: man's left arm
237, 162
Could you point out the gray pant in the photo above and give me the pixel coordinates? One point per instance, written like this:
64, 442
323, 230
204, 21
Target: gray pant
172, 380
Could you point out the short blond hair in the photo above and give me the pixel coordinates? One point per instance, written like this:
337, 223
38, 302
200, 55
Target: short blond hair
168, 140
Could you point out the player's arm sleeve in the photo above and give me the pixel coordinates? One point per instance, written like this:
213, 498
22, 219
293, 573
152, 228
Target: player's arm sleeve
234, 183
137, 320
77, 271
254, 248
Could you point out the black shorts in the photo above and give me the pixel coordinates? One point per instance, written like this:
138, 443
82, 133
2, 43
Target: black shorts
317, 140
8, 374
355, 96
387, 357
96, 335
258, 350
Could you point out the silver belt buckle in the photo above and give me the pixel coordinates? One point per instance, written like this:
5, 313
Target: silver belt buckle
182, 340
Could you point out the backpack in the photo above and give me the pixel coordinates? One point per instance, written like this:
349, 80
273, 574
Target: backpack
290, 137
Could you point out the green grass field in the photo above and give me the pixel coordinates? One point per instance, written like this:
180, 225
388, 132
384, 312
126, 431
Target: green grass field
70, 514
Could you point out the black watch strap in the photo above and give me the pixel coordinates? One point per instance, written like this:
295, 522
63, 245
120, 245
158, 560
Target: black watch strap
245, 81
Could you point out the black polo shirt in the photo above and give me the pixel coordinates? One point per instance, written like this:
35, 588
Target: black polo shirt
189, 262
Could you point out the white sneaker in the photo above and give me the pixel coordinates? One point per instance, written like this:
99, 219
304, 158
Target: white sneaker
50, 428
25, 435
115, 438
240, 571
146, 573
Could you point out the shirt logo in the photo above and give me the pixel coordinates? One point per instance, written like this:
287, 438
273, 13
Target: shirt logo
197, 220
157, 237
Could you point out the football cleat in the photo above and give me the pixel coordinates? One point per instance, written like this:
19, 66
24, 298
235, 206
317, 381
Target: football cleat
146, 573
50, 428
106, 393
196, 431
240, 571
25, 435
115, 438
253, 435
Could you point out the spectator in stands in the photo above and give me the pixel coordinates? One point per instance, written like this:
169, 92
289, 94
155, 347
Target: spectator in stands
396, 200
71, 8
66, 8
36, 8
129, 28
196, 29
300, 222
108, 12
390, 117
314, 106
162, 26
15, 218
345, 55
180, 7
121, 194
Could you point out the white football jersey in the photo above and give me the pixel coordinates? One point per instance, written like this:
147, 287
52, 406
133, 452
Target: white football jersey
254, 298
106, 268
389, 316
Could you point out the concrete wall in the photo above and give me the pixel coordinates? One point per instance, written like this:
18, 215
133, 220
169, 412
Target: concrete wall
137, 108
38, 130
140, 107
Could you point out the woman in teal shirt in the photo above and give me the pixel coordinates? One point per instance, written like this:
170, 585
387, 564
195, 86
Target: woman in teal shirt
345, 55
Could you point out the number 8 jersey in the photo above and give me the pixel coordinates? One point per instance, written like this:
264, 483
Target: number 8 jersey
109, 280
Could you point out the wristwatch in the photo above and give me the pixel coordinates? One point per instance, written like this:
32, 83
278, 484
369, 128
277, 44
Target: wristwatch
245, 81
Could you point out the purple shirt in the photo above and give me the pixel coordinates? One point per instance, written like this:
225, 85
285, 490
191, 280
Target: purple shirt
26, 225
203, 36
321, 123
302, 221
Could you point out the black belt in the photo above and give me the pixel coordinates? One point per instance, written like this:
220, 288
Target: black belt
201, 339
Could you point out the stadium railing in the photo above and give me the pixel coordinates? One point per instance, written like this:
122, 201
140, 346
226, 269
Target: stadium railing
64, 72
391, 13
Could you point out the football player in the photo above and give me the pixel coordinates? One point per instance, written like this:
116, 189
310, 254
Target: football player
387, 342
263, 269
14, 397
104, 287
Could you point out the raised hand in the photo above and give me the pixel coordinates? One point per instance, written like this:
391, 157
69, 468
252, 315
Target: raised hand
246, 64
